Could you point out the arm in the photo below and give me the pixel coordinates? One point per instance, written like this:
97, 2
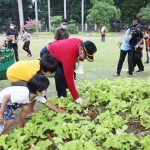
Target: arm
67, 34
69, 77
8, 37
56, 35
4, 103
138, 44
54, 108
128, 36
146, 44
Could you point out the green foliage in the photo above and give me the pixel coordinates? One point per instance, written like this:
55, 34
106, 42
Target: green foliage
102, 12
130, 9
103, 121
53, 29
72, 28
55, 20
144, 14
72, 21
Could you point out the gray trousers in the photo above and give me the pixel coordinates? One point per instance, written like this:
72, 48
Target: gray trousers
19, 83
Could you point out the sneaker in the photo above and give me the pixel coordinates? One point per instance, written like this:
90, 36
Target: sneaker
130, 76
29, 55
140, 71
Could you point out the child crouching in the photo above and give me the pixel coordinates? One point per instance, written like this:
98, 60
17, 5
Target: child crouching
12, 98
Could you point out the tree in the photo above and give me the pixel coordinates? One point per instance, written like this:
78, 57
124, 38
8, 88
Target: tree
131, 8
144, 14
102, 12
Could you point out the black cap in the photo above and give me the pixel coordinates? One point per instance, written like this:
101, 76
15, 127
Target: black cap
90, 49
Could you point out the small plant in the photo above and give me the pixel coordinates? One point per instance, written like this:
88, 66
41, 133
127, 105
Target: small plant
72, 28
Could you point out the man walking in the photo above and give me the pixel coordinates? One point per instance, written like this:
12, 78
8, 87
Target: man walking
12, 36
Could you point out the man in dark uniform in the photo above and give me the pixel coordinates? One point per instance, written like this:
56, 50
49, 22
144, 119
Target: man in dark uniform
61, 32
12, 36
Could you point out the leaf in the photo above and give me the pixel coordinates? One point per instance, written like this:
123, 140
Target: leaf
89, 146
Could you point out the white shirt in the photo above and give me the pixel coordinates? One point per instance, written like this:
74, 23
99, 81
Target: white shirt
19, 94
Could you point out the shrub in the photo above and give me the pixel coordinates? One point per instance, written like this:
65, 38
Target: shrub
53, 29
72, 28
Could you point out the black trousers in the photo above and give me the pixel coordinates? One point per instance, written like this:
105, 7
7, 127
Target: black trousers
15, 47
121, 61
103, 38
60, 81
26, 47
138, 62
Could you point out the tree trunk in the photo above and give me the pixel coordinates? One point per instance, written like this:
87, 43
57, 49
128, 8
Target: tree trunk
49, 16
65, 16
98, 27
21, 17
82, 14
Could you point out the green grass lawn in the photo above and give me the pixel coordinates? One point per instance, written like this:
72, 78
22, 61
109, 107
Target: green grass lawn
104, 66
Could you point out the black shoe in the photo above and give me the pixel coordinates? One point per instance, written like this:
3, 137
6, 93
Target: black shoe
147, 62
140, 71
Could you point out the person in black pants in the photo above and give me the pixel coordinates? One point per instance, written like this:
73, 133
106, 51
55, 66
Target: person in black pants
137, 57
12, 36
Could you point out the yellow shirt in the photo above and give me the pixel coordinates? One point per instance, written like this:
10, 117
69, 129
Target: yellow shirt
23, 70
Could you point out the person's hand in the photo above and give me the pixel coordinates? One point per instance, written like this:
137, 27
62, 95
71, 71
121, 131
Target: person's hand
60, 110
79, 100
1, 118
133, 32
146, 48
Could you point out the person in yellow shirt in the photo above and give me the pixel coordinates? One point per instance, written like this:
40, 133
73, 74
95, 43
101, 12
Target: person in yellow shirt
21, 72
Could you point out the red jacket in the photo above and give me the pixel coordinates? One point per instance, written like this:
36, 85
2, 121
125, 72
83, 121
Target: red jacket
149, 40
67, 51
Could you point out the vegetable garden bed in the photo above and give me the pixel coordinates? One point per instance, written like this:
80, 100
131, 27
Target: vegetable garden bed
115, 115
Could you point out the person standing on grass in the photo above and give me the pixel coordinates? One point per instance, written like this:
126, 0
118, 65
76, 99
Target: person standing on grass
103, 31
62, 32
20, 72
26, 42
137, 57
12, 98
131, 41
67, 52
12, 37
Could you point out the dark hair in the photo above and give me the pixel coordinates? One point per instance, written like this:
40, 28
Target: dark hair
64, 20
138, 20
12, 22
38, 83
24, 28
48, 63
